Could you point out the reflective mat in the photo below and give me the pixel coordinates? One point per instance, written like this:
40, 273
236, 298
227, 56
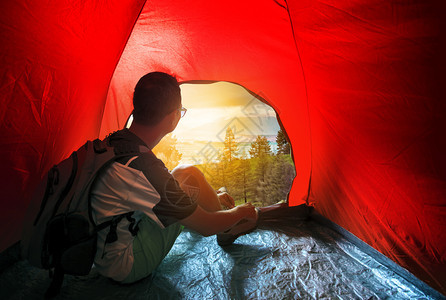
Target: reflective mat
307, 261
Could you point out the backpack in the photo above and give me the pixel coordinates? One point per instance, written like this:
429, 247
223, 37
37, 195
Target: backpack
60, 234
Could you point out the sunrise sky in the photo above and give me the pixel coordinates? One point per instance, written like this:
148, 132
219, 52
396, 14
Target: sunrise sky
211, 108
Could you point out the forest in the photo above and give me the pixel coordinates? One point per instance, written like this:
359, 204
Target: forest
256, 174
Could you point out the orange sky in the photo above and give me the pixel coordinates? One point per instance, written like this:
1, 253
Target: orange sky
214, 107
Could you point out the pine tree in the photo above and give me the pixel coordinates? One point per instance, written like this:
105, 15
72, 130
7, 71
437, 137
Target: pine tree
277, 181
260, 152
234, 176
166, 151
283, 147
231, 149
245, 170
260, 147
212, 173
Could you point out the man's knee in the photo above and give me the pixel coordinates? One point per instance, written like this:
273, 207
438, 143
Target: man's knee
188, 174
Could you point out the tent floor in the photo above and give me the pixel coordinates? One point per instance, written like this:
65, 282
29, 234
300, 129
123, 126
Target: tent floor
308, 261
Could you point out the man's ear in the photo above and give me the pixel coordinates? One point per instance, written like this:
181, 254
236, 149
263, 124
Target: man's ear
172, 121
175, 121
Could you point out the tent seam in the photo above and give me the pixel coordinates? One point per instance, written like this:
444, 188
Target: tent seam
308, 106
116, 65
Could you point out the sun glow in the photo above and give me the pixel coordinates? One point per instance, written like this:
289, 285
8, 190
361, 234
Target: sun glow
211, 109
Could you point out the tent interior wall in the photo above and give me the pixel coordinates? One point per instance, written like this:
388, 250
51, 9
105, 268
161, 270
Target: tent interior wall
358, 86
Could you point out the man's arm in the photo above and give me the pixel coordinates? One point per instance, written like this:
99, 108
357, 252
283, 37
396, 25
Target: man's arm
209, 223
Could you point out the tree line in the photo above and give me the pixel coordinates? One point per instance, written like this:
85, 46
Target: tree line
257, 175
262, 178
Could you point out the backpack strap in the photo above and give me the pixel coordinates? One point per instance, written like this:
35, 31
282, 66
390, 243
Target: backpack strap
112, 235
130, 160
133, 227
54, 288
52, 178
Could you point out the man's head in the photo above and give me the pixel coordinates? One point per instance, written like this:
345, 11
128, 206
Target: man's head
156, 95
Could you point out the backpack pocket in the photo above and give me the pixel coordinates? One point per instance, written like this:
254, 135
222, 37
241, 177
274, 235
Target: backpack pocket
70, 244
78, 259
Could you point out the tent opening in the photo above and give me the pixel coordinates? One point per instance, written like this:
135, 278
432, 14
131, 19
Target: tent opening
235, 139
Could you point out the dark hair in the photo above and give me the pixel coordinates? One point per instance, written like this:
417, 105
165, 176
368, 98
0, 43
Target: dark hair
156, 95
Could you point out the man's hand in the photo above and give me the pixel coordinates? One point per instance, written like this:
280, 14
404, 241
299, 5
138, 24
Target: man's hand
248, 210
226, 200
209, 223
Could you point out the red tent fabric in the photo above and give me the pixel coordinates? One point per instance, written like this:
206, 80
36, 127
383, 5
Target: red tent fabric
357, 86
56, 60
374, 75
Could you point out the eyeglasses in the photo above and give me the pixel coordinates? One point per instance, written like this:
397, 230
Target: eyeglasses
183, 111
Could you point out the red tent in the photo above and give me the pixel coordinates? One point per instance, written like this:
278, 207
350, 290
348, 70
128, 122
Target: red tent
357, 85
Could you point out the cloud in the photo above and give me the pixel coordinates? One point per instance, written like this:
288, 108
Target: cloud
211, 123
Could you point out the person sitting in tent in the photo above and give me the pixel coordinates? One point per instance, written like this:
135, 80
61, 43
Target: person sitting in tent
163, 201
